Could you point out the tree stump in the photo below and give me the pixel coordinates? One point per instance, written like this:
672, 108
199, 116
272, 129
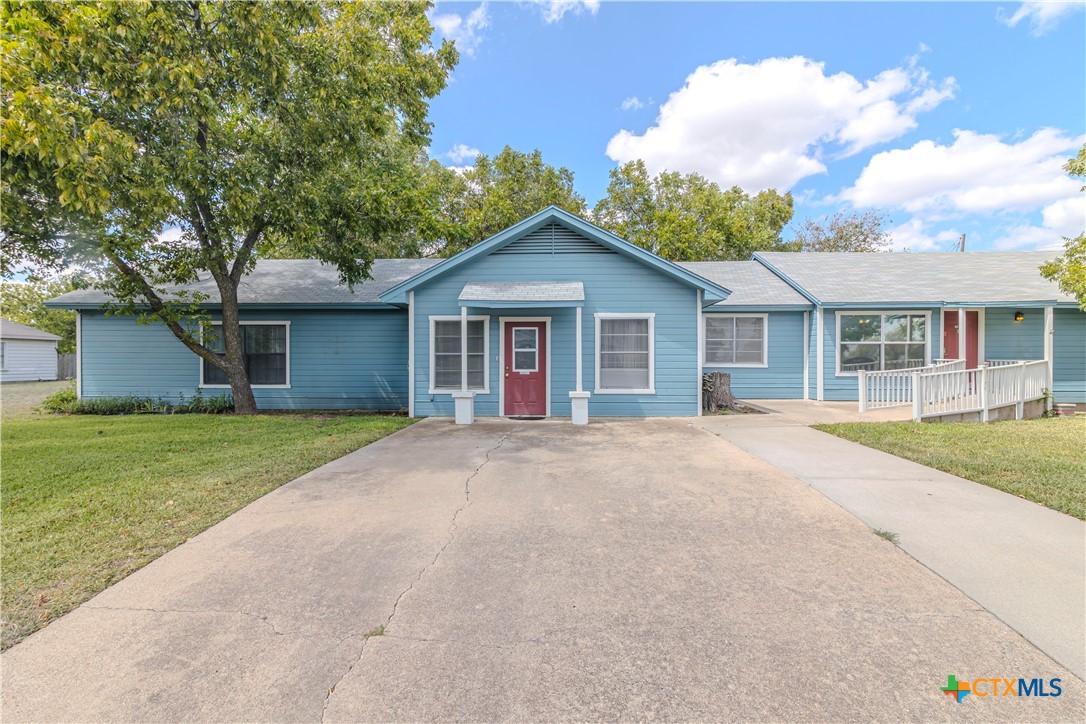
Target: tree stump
718, 392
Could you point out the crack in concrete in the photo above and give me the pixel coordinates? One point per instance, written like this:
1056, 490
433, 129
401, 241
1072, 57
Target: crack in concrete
422, 572
256, 616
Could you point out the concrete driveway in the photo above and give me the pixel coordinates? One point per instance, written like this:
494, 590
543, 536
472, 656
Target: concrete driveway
525, 571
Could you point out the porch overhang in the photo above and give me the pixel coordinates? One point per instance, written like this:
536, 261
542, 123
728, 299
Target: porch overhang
521, 295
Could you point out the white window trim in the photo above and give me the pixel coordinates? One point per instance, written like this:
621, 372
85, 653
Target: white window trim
485, 319
651, 317
534, 349
849, 312
502, 323
749, 365
285, 386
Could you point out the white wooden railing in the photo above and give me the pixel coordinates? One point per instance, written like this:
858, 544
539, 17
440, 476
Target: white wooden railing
948, 392
894, 388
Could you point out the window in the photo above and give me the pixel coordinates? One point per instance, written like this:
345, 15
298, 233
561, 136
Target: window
624, 353
264, 348
525, 349
872, 342
3, 355
445, 353
735, 341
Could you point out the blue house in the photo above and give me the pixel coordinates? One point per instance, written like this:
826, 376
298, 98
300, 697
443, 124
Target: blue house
557, 317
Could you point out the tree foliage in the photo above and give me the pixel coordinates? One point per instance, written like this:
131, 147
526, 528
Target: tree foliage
1069, 271
470, 204
247, 125
689, 218
24, 302
857, 232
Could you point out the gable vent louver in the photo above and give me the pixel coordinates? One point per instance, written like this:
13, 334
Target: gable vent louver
554, 239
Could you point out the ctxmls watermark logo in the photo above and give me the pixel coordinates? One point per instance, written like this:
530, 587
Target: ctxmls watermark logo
1000, 687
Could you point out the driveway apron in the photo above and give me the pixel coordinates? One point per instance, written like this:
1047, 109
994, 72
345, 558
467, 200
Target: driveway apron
639, 569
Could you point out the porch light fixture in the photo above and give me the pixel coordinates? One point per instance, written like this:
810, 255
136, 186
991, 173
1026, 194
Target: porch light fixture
1018, 317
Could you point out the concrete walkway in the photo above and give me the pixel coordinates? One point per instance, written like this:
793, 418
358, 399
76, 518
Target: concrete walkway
1023, 562
531, 571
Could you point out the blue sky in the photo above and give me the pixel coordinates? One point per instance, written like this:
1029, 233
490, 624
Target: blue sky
949, 117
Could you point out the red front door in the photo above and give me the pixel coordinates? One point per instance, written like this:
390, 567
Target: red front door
950, 336
525, 368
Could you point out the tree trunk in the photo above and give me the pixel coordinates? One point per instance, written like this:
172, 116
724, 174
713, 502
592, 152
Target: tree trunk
234, 359
718, 392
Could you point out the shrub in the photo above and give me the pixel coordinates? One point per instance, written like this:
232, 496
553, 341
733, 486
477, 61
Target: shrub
66, 402
61, 400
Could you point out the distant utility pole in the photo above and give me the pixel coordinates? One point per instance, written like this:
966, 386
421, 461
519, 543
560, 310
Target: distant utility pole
961, 244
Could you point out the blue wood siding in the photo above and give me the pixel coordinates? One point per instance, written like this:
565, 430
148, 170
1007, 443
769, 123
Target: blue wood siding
613, 283
1005, 338
846, 387
782, 378
338, 360
1069, 355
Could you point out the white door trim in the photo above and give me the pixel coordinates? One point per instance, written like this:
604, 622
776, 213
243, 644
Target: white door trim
502, 321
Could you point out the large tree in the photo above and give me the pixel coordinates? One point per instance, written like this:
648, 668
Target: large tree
858, 232
689, 218
470, 204
243, 124
1069, 271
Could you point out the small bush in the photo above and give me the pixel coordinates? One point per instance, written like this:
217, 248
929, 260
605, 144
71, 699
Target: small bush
66, 402
61, 400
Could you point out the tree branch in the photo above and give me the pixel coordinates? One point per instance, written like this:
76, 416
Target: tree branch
160, 309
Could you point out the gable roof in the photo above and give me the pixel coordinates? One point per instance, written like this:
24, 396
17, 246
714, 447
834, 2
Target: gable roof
14, 330
285, 282
752, 284
712, 291
976, 278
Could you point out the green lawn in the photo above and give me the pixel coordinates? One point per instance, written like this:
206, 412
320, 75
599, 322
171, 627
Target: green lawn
85, 501
1041, 460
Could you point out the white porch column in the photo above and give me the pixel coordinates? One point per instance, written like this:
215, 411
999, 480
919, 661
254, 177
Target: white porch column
1050, 330
464, 400
806, 355
820, 361
961, 333
463, 349
701, 347
411, 354
79, 355
580, 352
578, 399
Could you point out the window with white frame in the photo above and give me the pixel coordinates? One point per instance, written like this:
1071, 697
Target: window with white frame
445, 362
525, 349
735, 340
873, 342
265, 353
624, 353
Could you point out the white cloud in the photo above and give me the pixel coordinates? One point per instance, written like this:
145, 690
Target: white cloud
914, 235
633, 103
769, 124
461, 152
464, 30
1008, 184
555, 10
1043, 15
977, 173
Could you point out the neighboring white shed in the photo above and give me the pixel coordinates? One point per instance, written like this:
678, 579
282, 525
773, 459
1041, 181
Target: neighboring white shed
26, 354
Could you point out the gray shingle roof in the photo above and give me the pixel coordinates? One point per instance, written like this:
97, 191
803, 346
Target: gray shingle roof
523, 292
972, 277
751, 283
14, 330
293, 281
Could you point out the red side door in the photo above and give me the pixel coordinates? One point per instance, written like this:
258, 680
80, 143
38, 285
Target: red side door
972, 334
525, 369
